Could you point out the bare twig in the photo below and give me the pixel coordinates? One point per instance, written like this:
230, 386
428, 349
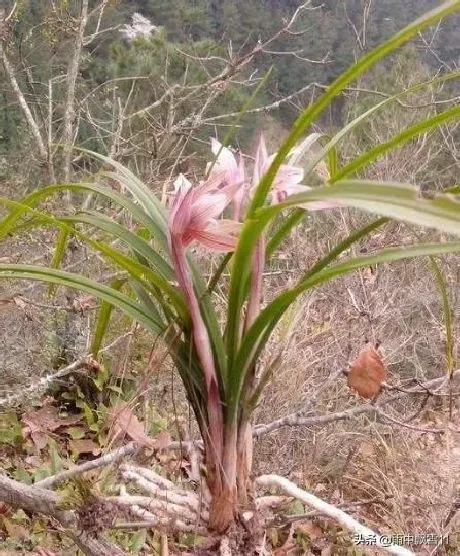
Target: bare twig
24, 106
297, 419
345, 506
45, 381
116, 455
72, 73
339, 515
39, 500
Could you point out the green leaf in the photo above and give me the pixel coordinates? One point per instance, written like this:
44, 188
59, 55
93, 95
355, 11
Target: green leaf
394, 200
35, 197
249, 353
329, 148
76, 433
137, 188
68, 279
307, 117
103, 319
132, 240
218, 273
397, 141
139, 271
59, 253
56, 461
283, 231
268, 318
249, 234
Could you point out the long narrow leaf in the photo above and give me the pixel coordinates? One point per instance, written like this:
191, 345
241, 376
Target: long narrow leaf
137, 188
76, 281
39, 195
267, 320
59, 252
317, 267
132, 240
307, 117
137, 270
103, 319
397, 141
329, 148
394, 200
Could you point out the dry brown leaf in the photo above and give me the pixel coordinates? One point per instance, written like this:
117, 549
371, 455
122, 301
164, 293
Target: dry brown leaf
122, 421
43, 421
367, 373
84, 446
93, 365
14, 530
310, 529
47, 418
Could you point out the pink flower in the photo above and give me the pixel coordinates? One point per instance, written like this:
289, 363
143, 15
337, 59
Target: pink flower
288, 179
230, 171
195, 211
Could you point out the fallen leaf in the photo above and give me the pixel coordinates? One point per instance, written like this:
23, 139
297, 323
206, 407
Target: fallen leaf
93, 365
122, 421
310, 529
14, 531
367, 373
42, 421
84, 446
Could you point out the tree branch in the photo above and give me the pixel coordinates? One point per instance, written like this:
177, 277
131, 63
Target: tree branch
23, 104
39, 500
72, 73
325, 508
107, 459
298, 420
44, 382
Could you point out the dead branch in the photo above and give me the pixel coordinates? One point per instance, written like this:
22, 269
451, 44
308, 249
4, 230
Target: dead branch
339, 515
44, 382
72, 73
298, 420
39, 500
166, 516
24, 106
345, 506
112, 457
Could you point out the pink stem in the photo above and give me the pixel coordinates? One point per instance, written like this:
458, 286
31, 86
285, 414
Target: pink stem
203, 348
